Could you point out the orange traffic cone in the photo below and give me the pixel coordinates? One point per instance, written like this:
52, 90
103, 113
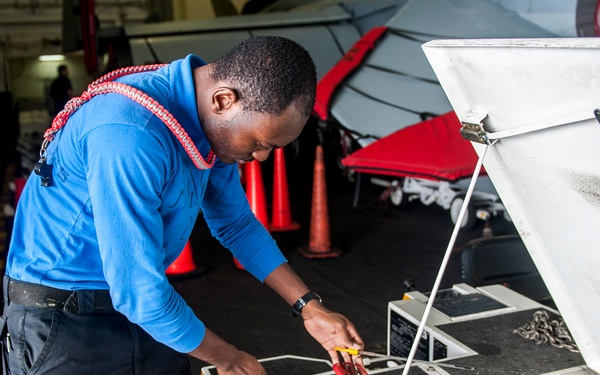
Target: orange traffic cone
237, 264
255, 192
319, 245
184, 265
281, 215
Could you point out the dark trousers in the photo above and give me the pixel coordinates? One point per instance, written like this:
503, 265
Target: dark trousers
56, 342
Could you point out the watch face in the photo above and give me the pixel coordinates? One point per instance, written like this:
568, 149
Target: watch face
302, 301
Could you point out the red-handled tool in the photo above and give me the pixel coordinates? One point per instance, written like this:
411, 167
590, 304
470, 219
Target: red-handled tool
348, 368
371, 354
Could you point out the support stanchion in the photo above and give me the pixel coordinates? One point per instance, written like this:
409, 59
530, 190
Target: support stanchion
319, 245
281, 213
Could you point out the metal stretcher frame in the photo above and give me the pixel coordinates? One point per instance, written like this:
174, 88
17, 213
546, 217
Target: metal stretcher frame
430, 162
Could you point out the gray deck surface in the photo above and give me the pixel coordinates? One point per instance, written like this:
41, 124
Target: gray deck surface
382, 247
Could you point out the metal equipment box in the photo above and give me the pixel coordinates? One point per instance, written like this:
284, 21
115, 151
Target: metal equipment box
476, 327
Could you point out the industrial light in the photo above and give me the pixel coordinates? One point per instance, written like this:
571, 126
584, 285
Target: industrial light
51, 57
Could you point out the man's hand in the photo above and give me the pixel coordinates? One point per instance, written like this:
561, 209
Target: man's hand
331, 329
225, 357
328, 328
244, 364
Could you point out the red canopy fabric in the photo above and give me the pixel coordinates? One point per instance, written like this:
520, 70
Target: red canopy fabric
347, 64
432, 149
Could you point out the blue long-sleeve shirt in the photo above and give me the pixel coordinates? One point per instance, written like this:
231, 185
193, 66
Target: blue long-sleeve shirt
123, 202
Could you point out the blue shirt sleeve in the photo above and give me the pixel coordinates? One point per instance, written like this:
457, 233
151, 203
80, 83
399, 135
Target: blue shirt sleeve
230, 219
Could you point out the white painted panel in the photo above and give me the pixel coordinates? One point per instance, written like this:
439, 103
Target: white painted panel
549, 180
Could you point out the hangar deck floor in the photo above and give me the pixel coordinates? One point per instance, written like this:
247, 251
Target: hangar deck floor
382, 246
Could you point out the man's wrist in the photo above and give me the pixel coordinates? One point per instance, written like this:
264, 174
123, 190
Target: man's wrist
303, 301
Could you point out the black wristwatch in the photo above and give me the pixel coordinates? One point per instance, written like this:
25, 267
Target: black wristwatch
302, 301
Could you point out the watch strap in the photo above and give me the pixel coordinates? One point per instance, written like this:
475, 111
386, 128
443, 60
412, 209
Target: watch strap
302, 301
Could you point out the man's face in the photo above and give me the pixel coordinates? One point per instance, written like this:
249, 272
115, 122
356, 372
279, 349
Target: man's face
239, 136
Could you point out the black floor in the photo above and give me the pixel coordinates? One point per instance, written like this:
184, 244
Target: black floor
382, 247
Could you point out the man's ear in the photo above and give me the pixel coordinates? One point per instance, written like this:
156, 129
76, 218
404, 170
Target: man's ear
223, 99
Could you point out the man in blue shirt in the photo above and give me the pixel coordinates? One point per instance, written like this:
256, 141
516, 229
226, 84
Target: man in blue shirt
125, 170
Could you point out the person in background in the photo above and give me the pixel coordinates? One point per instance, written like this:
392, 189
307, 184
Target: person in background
118, 196
61, 89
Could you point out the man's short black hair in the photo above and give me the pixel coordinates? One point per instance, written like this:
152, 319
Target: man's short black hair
62, 68
269, 73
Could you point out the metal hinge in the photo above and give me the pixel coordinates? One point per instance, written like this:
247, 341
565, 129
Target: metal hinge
472, 128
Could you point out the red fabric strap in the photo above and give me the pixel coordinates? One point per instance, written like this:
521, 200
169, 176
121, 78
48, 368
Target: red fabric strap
347, 64
104, 85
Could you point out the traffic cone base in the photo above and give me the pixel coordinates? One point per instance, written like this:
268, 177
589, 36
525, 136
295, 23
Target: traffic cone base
184, 266
238, 265
284, 228
311, 254
176, 269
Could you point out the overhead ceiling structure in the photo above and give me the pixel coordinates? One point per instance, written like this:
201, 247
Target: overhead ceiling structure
394, 86
33, 27
327, 29
30, 28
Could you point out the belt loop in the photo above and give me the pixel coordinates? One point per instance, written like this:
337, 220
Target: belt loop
71, 304
85, 301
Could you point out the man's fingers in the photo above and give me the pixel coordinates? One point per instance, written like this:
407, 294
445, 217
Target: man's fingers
334, 356
358, 359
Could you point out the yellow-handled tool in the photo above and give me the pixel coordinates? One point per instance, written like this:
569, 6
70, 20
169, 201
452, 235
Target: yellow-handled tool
372, 354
